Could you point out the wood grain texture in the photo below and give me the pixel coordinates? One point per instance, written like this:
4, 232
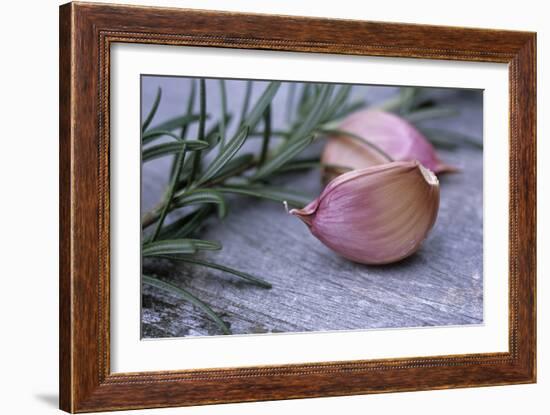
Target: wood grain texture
314, 289
86, 31
65, 248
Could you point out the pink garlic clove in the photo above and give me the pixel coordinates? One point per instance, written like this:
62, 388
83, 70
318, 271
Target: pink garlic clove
395, 136
375, 215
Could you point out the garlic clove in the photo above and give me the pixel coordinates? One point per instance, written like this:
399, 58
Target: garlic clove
395, 136
375, 215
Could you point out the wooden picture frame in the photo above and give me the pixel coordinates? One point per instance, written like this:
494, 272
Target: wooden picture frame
86, 33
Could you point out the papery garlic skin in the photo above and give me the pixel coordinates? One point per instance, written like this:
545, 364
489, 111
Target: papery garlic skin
395, 136
376, 215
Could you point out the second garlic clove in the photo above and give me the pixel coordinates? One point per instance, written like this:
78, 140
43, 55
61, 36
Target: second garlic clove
395, 136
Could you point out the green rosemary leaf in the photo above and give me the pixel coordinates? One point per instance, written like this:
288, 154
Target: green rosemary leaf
199, 196
287, 153
185, 225
449, 139
267, 135
440, 142
152, 135
240, 136
267, 192
224, 112
394, 103
213, 139
290, 101
203, 245
305, 98
360, 139
190, 104
177, 166
408, 98
176, 122
169, 231
195, 222
337, 103
186, 295
183, 134
354, 106
225, 155
161, 150
233, 167
430, 114
202, 114
243, 275
177, 246
153, 111
246, 102
259, 108
315, 115
214, 131
404, 99
312, 95
196, 158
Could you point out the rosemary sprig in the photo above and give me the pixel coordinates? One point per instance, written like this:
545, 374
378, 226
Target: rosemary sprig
186, 295
199, 183
153, 111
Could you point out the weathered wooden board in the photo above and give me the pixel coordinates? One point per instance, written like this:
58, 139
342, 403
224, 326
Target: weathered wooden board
313, 288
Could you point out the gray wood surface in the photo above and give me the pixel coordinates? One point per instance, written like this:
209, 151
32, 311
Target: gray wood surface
313, 288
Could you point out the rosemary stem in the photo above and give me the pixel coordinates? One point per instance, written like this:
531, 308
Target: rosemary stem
170, 193
224, 112
267, 135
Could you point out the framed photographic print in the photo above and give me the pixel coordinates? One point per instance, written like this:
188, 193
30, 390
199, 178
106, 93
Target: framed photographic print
260, 207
